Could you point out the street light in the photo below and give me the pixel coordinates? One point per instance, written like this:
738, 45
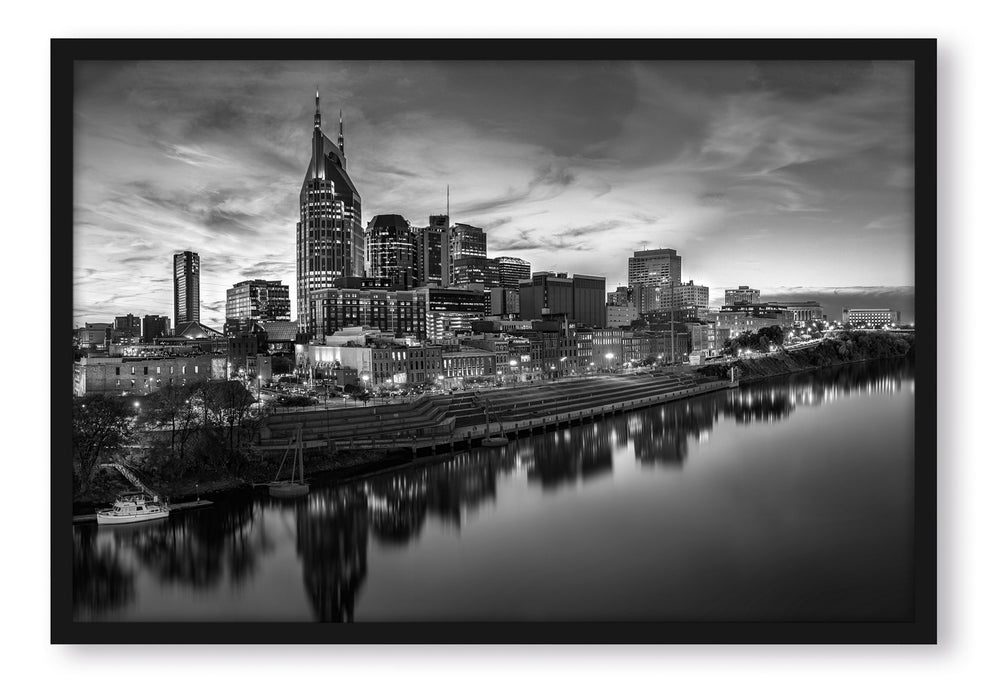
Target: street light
609, 356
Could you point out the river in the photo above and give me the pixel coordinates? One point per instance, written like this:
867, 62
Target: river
790, 499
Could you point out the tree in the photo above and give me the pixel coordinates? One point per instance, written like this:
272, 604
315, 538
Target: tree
229, 402
100, 424
173, 406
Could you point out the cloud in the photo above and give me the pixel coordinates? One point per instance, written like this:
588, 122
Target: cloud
793, 175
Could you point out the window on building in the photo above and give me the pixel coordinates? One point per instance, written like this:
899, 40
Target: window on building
146, 371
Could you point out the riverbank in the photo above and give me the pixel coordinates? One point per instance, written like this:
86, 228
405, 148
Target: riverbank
340, 465
522, 410
847, 348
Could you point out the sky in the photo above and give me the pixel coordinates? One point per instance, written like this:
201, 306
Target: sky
795, 178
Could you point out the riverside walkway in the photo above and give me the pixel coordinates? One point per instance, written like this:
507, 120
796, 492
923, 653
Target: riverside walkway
433, 424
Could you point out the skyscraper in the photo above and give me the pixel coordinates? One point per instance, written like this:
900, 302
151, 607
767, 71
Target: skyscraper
434, 253
653, 275
185, 283
393, 250
329, 237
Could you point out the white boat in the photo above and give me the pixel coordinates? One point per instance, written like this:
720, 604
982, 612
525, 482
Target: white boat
495, 441
132, 508
291, 488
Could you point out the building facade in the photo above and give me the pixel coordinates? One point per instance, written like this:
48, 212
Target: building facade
403, 312
329, 234
434, 252
393, 249
511, 271
580, 299
185, 287
154, 326
142, 375
253, 301
127, 326
503, 302
871, 317
803, 310
651, 271
452, 311
468, 240
742, 294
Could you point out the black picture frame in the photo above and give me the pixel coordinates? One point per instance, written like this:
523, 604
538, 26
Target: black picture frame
922, 630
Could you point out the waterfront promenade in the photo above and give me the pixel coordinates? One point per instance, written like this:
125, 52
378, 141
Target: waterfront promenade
432, 424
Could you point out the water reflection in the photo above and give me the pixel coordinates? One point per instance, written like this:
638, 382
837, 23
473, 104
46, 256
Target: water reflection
101, 582
228, 544
332, 541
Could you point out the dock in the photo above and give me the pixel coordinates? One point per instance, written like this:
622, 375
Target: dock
91, 517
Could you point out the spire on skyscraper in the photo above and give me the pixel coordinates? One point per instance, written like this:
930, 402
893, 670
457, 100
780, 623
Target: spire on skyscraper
316, 117
340, 134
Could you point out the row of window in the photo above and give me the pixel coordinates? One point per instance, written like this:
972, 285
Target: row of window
158, 370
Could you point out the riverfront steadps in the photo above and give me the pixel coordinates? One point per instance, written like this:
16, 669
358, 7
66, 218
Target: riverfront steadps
442, 423
788, 499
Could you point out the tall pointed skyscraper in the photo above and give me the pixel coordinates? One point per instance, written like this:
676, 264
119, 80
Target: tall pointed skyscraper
329, 235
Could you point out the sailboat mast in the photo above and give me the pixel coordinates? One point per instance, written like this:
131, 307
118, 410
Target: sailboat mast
302, 475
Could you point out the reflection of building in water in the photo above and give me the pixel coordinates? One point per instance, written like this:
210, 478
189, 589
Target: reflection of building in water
660, 436
197, 549
332, 541
565, 456
399, 503
759, 403
100, 581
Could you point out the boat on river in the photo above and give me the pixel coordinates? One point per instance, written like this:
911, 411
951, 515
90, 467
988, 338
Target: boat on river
292, 487
134, 507
499, 440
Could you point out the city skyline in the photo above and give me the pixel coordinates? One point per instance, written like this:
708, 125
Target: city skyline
792, 178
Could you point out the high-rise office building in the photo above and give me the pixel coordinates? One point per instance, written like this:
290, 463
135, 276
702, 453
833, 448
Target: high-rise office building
329, 236
661, 266
742, 294
434, 252
256, 300
511, 271
651, 271
393, 250
468, 240
474, 269
185, 284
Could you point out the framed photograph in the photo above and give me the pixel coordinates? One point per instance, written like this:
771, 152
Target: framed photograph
493, 341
